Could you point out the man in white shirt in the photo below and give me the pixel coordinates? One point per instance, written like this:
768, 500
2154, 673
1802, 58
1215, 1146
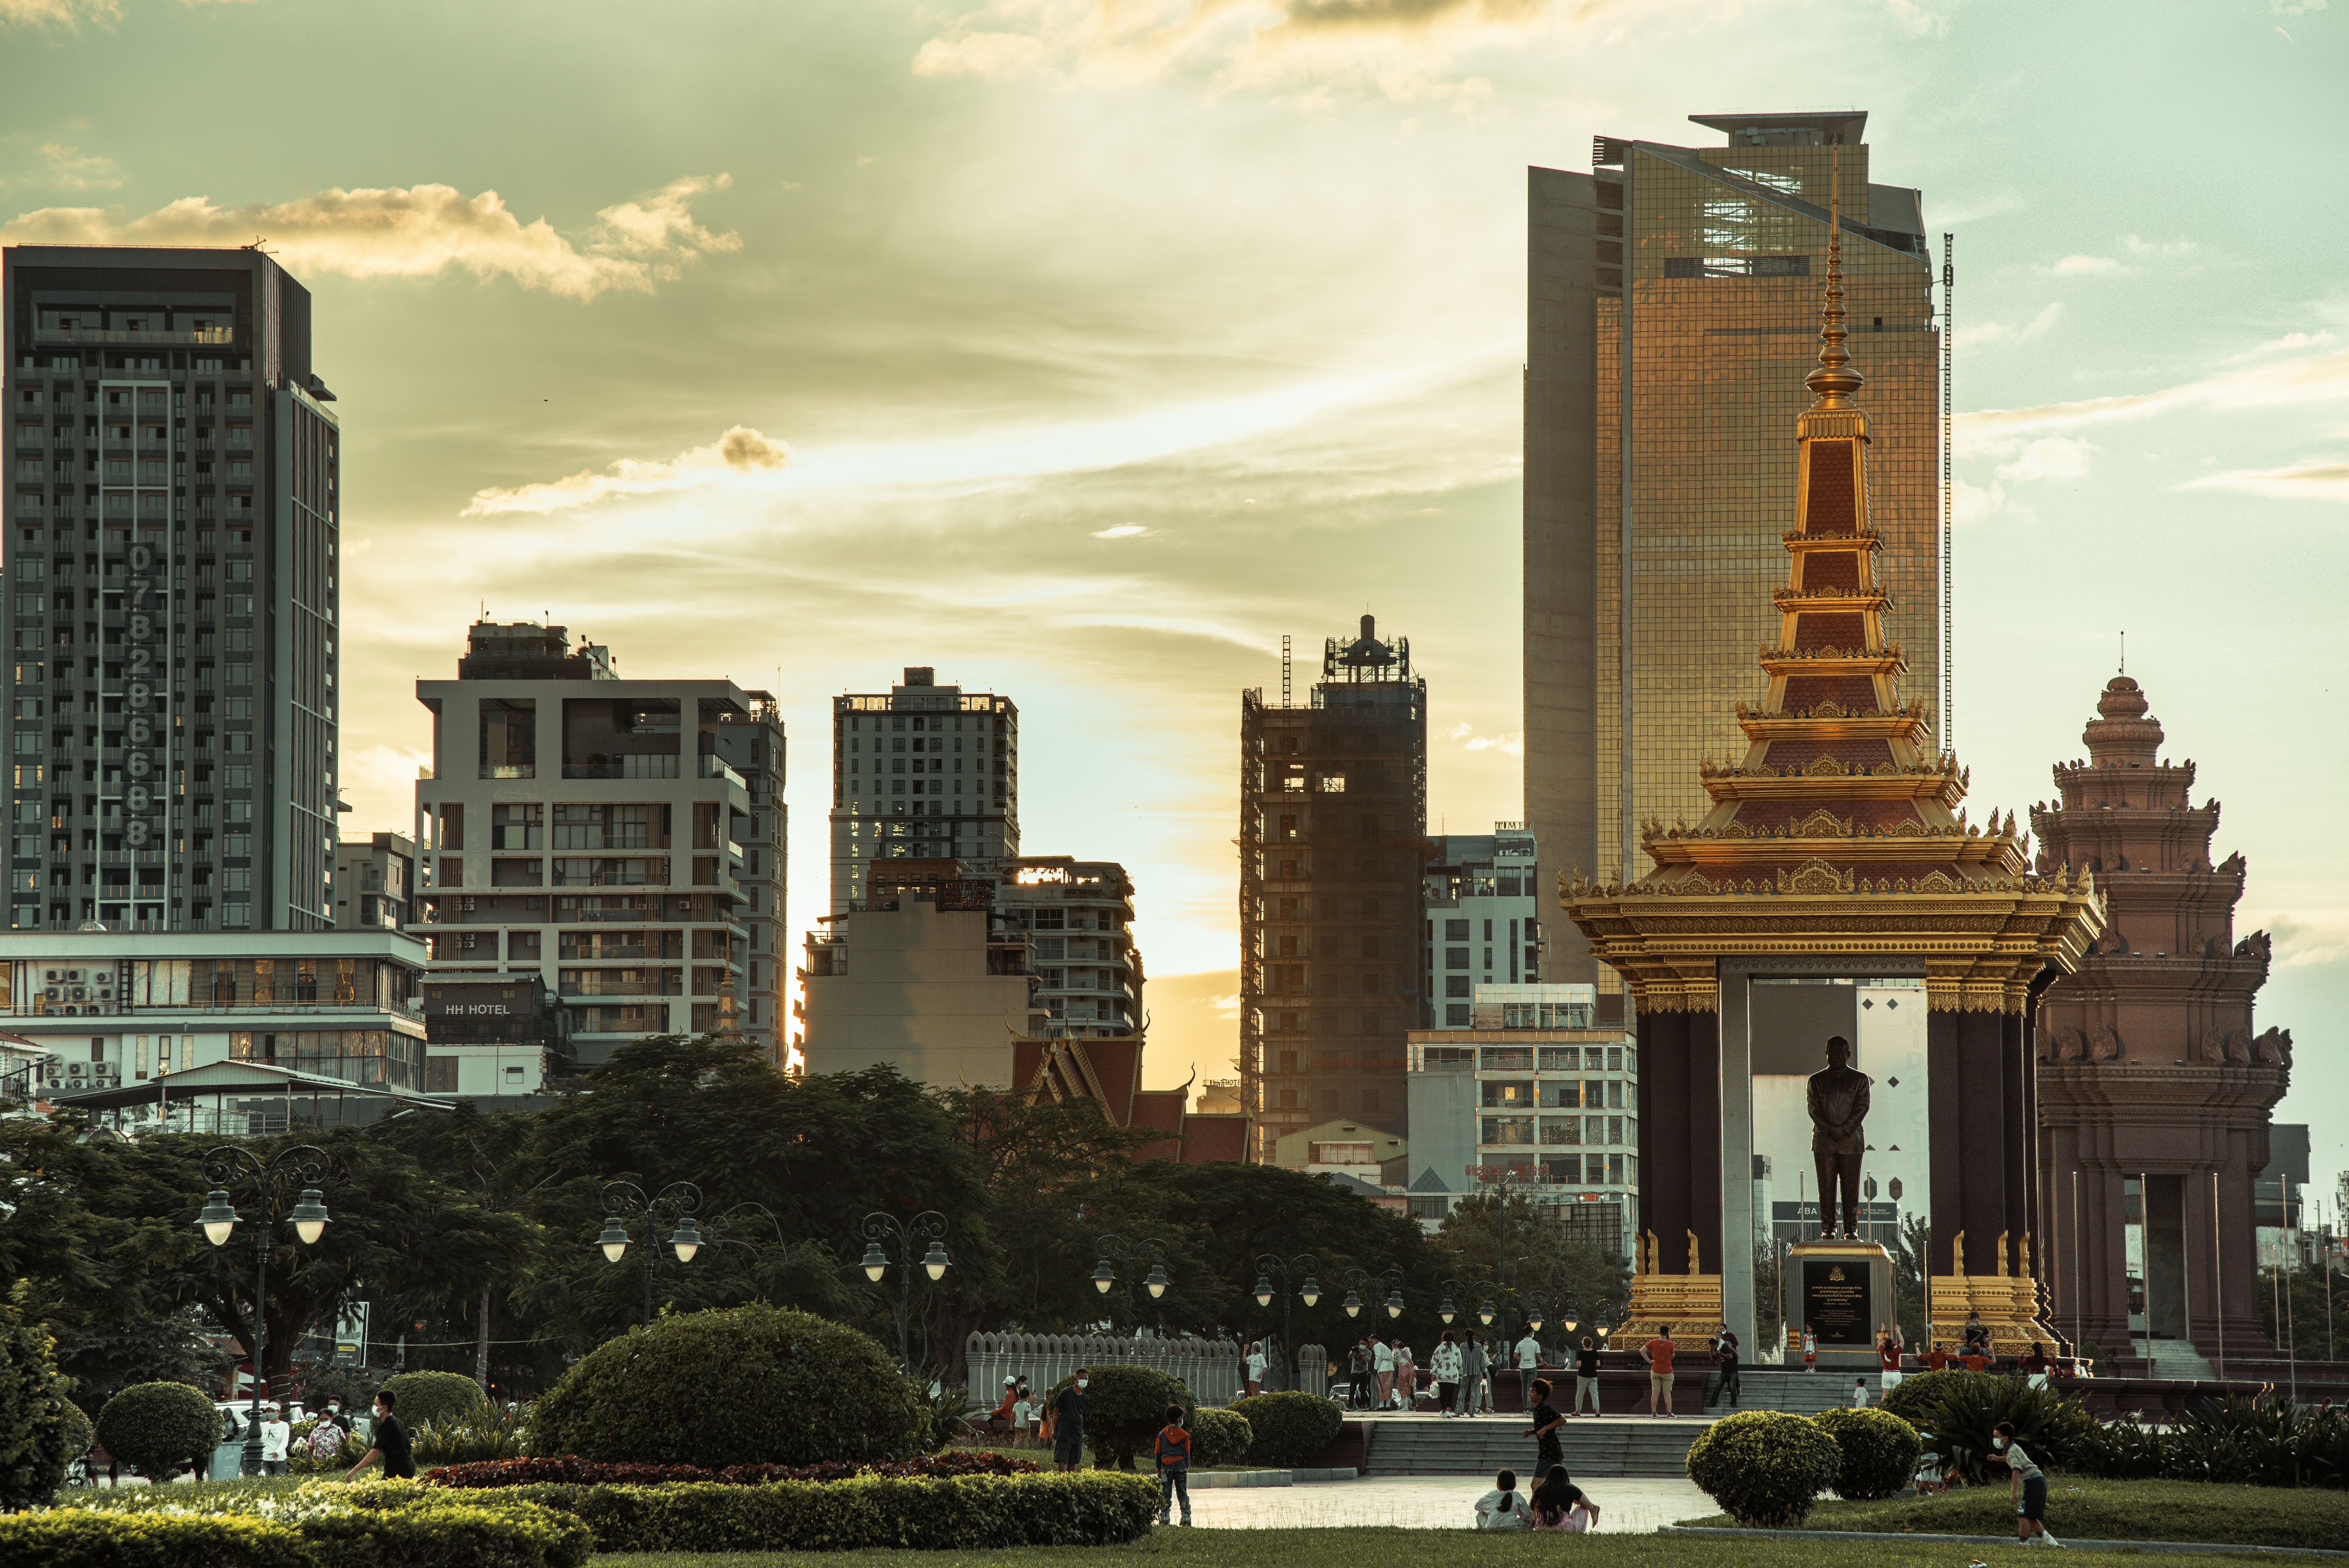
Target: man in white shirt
1528, 1352
277, 1436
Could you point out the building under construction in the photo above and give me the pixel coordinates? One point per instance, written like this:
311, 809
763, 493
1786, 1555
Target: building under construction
1333, 835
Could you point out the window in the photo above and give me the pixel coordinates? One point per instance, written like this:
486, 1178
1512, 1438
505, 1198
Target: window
1513, 1095
1455, 958
1561, 1130
440, 1074
509, 738
1456, 1014
1455, 985
1456, 931
1508, 1130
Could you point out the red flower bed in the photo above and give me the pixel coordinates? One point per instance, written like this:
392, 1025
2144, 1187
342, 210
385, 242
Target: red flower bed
587, 1472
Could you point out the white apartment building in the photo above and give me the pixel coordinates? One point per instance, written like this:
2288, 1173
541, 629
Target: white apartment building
1483, 899
114, 1009
1080, 912
922, 771
1530, 1093
593, 832
375, 882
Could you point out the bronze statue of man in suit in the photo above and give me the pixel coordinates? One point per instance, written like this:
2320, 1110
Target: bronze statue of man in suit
1839, 1102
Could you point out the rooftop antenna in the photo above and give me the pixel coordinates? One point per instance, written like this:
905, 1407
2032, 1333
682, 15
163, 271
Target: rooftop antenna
2124, 653
1284, 669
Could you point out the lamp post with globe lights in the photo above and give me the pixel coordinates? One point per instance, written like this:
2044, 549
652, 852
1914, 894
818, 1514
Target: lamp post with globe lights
1364, 1287
230, 1166
930, 1227
671, 1208
1309, 1291
1105, 1274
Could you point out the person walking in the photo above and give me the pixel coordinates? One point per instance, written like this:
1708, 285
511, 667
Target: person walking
1382, 1365
1547, 1420
1659, 1353
1174, 1465
1445, 1364
388, 1441
1725, 1345
1357, 1371
1069, 1423
1586, 1378
277, 1436
1485, 1384
2028, 1485
1406, 1374
1472, 1375
1810, 1349
1255, 1368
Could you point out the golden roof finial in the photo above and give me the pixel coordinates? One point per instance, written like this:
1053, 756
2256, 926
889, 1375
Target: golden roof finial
1834, 380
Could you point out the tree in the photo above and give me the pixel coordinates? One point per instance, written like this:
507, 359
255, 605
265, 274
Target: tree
1484, 1227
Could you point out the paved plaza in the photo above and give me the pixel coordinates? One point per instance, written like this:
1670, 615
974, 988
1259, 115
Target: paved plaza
1431, 1503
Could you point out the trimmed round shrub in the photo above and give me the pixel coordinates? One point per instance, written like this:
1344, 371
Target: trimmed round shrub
34, 1437
157, 1427
1765, 1468
78, 1436
438, 1400
1124, 1407
1879, 1452
747, 1385
1219, 1437
1287, 1428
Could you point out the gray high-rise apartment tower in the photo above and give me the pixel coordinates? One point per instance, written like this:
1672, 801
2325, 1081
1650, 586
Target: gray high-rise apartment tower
1672, 311
922, 771
171, 560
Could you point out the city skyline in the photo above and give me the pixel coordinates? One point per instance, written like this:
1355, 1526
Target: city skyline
775, 396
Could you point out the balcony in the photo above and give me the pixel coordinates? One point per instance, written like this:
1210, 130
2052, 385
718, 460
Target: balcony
634, 765
71, 335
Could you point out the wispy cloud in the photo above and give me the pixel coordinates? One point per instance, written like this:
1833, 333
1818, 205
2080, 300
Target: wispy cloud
1990, 332
2074, 265
1123, 531
72, 13
2321, 377
1465, 736
740, 450
65, 167
419, 232
2325, 479
1400, 48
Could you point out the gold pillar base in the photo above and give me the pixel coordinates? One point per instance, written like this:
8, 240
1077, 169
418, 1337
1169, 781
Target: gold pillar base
1688, 1304
2007, 1304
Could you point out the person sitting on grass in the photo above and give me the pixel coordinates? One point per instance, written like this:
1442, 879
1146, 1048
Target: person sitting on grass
1558, 1504
1173, 1464
1502, 1508
2028, 1484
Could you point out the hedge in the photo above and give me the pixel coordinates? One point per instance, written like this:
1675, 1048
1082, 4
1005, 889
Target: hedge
2092, 1509
1764, 1467
89, 1538
1219, 1437
1879, 1451
577, 1472
1287, 1428
747, 1385
1088, 1507
500, 1532
437, 1399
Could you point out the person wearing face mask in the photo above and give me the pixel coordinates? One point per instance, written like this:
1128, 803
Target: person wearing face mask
1069, 1424
2028, 1484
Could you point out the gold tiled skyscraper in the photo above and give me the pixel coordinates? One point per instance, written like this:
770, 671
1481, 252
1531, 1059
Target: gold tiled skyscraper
1714, 257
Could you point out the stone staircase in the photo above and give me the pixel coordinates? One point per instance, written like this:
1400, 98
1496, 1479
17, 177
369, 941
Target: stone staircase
1480, 1445
2178, 1359
1797, 1393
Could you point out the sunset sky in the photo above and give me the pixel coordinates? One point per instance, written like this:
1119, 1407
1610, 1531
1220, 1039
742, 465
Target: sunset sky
1082, 349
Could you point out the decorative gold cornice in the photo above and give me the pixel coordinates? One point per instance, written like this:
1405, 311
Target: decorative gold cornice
1799, 541
1830, 600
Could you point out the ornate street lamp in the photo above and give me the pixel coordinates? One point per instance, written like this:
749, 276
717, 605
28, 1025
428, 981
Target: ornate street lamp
930, 1225
1309, 1292
671, 1209
229, 1165
1105, 1273
1362, 1282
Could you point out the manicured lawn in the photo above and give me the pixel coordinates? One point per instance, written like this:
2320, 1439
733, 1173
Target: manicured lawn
2112, 1510
1354, 1548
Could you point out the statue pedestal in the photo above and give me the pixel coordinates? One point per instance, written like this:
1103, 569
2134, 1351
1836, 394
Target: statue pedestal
1844, 1291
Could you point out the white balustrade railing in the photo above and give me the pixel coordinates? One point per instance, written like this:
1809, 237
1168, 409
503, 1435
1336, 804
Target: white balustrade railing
1210, 1368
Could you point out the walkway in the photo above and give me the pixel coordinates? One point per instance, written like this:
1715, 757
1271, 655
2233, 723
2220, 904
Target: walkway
1431, 1503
